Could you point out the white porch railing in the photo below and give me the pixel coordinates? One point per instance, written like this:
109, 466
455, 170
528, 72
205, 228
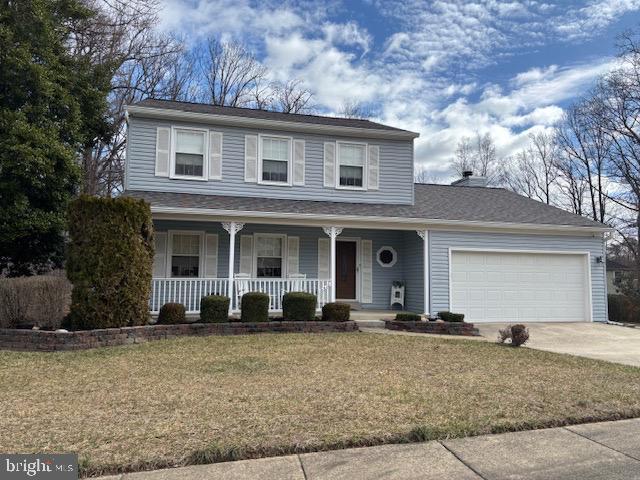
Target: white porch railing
189, 291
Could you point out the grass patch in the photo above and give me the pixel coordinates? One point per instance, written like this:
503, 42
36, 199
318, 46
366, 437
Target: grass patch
201, 400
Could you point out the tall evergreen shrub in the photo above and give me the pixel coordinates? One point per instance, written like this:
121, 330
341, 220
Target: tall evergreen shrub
110, 260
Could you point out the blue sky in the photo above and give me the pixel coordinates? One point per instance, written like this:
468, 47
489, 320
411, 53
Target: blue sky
445, 69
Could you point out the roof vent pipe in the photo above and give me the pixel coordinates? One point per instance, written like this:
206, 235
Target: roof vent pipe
467, 173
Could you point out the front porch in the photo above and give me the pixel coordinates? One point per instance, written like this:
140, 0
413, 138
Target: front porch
189, 291
360, 266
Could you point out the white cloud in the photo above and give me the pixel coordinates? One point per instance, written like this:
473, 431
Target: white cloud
597, 14
421, 79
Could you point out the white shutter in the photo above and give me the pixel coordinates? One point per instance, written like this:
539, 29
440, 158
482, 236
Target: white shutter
215, 155
211, 256
246, 254
298, 162
163, 147
367, 271
374, 167
329, 164
160, 255
250, 158
293, 255
324, 259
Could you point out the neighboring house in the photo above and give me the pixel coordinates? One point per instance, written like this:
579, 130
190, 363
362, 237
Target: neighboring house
328, 205
615, 270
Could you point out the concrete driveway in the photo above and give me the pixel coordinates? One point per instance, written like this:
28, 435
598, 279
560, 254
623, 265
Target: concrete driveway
592, 340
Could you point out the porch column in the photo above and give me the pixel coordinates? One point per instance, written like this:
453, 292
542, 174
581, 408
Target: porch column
424, 235
333, 232
232, 228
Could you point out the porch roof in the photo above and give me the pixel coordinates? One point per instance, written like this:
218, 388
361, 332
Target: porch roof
441, 204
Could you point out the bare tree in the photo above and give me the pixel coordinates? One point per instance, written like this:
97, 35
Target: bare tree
534, 171
423, 175
353, 109
121, 37
617, 100
232, 73
292, 97
584, 148
478, 155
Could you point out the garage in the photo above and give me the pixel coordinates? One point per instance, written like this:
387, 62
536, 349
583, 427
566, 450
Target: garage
499, 286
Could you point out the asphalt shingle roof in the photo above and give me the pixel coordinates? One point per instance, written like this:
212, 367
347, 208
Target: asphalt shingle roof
432, 202
264, 114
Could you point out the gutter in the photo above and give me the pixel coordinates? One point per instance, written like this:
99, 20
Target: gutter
237, 121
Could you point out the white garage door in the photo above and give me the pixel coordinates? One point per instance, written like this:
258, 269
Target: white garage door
519, 287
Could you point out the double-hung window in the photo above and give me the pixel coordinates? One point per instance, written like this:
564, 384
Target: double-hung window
352, 158
185, 254
269, 255
275, 153
190, 150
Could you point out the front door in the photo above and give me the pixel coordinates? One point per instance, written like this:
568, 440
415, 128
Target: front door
346, 270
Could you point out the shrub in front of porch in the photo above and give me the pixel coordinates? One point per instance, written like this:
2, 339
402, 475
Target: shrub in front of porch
299, 306
171, 313
336, 312
110, 257
451, 317
214, 309
254, 307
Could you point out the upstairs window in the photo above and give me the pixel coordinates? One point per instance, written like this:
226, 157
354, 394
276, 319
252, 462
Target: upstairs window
190, 152
352, 157
269, 253
275, 159
185, 255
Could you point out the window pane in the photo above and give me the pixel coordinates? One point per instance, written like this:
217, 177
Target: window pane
274, 171
352, 154
269, 247
184, 266
185, 244
275, 149
351, 176
190, 142
269, 267
189, 164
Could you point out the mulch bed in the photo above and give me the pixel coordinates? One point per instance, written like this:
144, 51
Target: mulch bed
443, 328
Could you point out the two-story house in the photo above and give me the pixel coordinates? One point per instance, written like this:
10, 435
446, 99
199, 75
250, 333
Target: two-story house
247, 200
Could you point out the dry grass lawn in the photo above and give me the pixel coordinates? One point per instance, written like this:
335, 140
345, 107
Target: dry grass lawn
195, 400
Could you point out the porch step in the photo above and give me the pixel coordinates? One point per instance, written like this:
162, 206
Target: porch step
355, 306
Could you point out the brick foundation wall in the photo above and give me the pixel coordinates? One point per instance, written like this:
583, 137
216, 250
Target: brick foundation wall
443, 328
44, 341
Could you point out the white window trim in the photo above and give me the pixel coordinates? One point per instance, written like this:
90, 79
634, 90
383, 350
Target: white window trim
205, 159
289, 181
285, 253
201, 256
365, 167
394, 253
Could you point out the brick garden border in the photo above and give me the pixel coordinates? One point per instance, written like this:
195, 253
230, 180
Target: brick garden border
443, 328
47, 341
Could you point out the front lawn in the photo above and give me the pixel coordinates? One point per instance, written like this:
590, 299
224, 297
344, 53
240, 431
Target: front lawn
195, 400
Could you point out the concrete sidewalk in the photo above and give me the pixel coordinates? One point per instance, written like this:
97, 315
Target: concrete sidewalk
607, 451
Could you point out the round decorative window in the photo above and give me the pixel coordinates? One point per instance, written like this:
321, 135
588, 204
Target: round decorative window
387, 256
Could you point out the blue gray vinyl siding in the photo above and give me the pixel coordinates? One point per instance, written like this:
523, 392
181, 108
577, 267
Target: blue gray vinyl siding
442, 241
412, 255
396, 167
308, 258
